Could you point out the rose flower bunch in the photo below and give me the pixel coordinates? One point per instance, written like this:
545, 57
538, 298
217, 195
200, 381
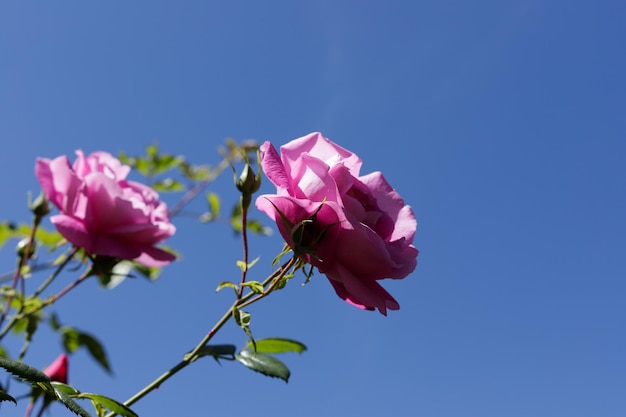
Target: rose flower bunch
354, 228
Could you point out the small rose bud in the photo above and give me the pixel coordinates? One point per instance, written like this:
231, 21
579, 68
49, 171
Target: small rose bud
40, 206
249, 182
21, 248
57, 370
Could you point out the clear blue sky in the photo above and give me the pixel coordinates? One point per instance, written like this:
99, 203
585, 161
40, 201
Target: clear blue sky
502, 123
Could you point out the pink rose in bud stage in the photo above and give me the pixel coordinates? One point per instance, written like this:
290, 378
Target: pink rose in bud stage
361, 230
103, 212
57, 370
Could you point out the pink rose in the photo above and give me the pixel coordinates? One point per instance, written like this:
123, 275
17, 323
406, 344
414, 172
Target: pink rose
361, 230
57, 370
104, 213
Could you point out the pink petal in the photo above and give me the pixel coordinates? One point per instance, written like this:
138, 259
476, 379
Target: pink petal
273, 167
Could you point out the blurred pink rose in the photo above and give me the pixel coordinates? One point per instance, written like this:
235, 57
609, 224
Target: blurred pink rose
104, 213
57, 370
361, 231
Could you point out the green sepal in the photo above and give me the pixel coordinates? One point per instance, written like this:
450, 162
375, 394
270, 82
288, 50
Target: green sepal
264, 364
277, 345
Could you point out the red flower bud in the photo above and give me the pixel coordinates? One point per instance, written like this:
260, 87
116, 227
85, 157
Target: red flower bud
57, 370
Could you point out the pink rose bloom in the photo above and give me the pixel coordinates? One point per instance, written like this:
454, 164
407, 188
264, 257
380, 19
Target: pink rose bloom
57, 370
361, 232
104, 213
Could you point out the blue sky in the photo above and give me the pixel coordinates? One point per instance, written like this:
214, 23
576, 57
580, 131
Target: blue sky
501, 123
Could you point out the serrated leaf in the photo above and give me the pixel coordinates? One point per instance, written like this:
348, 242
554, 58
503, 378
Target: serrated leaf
6, 397
71, 404
96, 350
74, 338
21, 370
264, 364
109, 403
277, 345
255, 286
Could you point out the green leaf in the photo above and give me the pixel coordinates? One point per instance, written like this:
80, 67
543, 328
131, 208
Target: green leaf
74, 338
195, 172
242, 319
263, 363
257, 227
48, 237
227, 284
21, 370
168, 185
142, 166
277, 345
218, 351
166, 161
151, 273
67, 389
255, 286
235, 218
7, 231
242, 265
6, 397
109, 403
214, 204
71, 404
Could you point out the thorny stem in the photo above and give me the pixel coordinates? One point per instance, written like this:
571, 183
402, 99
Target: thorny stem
193, 355
244, 238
